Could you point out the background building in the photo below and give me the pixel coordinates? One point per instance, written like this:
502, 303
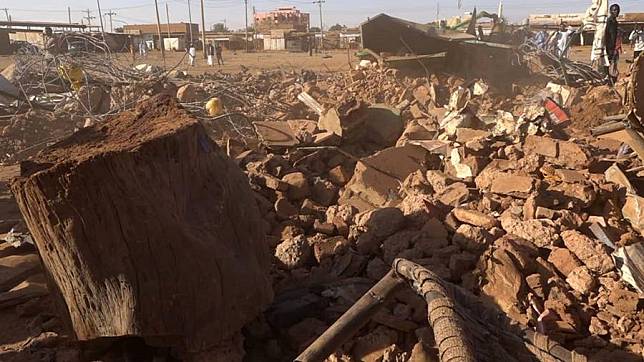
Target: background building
148, 33
288, 19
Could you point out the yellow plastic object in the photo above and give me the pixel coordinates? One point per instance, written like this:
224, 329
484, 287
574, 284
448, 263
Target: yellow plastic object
73, 74
214, 107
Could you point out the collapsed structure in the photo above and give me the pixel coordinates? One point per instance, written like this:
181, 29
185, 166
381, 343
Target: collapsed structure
501, 193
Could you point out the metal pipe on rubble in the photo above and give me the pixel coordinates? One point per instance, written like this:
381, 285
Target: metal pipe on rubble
352, 320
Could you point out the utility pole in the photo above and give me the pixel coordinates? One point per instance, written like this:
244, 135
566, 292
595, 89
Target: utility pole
89, 18
320, 2
203, 31
110, 15
6, 13
100, 17
69, 16
246, 28
190, 20
167, 16
156, 7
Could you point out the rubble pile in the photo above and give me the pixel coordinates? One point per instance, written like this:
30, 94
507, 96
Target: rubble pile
505, 195
507, 207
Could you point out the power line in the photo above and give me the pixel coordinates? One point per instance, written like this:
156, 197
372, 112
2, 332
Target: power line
110, 13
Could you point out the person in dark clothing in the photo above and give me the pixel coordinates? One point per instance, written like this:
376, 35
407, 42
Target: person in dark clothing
611, 43
219, 52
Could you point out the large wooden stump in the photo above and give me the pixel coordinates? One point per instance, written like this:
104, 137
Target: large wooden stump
148, 229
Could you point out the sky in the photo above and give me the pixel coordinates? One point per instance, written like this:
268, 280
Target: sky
345, 12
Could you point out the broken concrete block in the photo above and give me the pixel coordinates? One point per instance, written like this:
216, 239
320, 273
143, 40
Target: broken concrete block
544, 146
504, 282
464, 135
633, 211
276, 133
190, 93
294, 253
571, 156
542, 233
564, 260
471, 238
323, 228
461, 263
624, 300
581, 280
298, 185
423, 95
439, 180
396, 243
513, 185
377, 179
588, 251
327, 248
274, 183
339, 175
571, 195
570, 176
474, 217
377, 225
454, 194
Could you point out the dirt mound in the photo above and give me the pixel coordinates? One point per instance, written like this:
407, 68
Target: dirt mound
598, 103
150, 219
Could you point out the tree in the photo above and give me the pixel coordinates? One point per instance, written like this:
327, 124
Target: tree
337, 27
314, 29
219, 28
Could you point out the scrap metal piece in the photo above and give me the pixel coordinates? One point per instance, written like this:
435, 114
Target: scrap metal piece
600, 234
629, 261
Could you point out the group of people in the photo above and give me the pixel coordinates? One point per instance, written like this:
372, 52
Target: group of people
559, 42
214, 51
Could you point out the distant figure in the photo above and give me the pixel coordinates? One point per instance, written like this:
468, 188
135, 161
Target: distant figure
192, 55
541, 39
562, 39
219, 51
481, 36
143, 49
130, 45
211, 55
612, 44
637, 40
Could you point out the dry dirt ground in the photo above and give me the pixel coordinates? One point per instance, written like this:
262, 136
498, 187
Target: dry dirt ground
331, 61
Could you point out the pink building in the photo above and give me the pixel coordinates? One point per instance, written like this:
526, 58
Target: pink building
282, 19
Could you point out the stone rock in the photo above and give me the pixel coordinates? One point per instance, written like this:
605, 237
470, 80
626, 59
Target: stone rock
274, 183
581, 280
474, 217
284, 208
190, 93
372, 347
543, 146
298, 185
540, 232
464, 135
633, 211
454, 194
327, 248
573, 195
396, 243
513, 185
339, 175
471, 238
623, 300
504, 282
571, 156
376, 226
371, 186
588, 251
461, 263
438, 180
294, 253
423, 95
564, 260
324, 228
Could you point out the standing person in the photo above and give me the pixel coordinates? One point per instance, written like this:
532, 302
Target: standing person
211, 55
143, 49
219, 51
637, 40
481, 36
612, 44
130, 44
563, 37
192, 54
